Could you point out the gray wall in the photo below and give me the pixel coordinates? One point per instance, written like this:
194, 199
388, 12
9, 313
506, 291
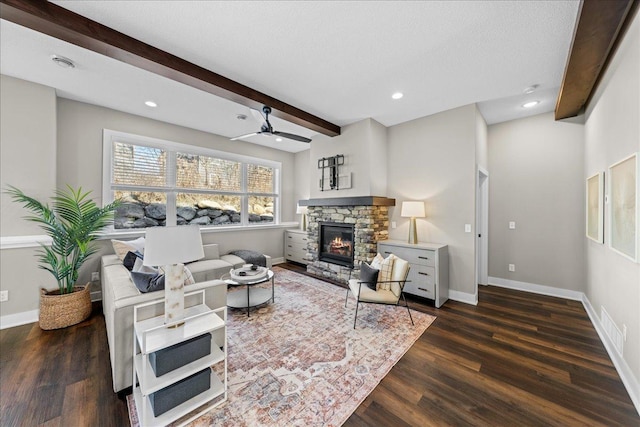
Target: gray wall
612, 132
27, 147
434, 159
49, 142
536, 180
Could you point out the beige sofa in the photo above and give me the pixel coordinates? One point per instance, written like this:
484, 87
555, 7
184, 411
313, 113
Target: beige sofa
119, 295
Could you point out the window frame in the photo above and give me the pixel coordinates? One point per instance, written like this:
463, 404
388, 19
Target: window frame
171, 189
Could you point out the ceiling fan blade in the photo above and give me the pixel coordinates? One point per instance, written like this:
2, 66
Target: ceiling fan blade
245, 136
292, 136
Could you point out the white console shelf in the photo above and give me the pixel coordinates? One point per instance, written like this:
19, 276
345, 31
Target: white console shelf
152, 334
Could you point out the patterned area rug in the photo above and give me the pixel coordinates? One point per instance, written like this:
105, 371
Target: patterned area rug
299, 362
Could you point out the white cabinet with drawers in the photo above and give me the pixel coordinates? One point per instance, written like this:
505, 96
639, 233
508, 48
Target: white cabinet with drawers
295, 246
429, 273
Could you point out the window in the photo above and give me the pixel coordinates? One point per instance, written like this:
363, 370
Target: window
166, 183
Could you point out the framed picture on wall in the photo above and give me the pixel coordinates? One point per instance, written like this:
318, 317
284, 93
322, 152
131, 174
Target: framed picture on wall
623, 207
595, 207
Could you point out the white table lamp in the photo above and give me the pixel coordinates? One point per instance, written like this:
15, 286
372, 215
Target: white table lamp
302, 210
413, 210
170, 247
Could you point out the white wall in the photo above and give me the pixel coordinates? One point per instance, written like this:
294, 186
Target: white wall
612, 132
434, 159
536, 180
363, 145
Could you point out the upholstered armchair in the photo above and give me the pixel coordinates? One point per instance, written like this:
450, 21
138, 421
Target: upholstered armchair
381, 292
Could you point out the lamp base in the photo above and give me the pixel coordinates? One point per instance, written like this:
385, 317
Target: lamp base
174, 295
303, 222
413, 231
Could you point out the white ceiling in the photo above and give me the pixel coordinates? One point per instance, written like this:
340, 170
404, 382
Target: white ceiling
339, 60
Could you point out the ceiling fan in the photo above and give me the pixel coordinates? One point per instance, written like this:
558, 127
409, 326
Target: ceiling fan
267, 130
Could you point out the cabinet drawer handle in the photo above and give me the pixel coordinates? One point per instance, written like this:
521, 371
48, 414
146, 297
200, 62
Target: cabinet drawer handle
387, 252
424, 274
423, 289
424, 257
289, 237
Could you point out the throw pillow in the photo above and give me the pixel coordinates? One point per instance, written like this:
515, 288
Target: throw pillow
188, 277
121, 247
147, 282
376, 262
130, 259
369, 275
140, 267
386, 268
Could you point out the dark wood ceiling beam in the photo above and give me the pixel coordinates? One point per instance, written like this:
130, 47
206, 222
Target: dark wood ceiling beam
598, 30
63, 24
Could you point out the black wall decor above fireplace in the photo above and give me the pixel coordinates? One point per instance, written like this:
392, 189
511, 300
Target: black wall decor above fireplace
336, 243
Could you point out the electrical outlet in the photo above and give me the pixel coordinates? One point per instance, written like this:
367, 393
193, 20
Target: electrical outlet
393, 224
4, 296
467, 228
512, 225
512, 267
95, 276
624, 332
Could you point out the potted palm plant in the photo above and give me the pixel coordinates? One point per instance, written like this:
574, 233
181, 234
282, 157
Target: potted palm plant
73, 222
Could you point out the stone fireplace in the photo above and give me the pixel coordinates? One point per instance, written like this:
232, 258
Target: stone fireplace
369, 219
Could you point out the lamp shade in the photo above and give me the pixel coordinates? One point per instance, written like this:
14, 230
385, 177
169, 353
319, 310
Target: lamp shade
172, 245
302, 210
412, 209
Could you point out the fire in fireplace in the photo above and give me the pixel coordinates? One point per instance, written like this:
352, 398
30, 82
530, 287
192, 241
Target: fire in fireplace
336, 243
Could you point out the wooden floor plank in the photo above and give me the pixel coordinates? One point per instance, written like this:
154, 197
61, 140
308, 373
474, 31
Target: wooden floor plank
514, 359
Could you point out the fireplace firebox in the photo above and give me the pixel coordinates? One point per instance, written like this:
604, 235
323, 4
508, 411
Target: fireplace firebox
336, 243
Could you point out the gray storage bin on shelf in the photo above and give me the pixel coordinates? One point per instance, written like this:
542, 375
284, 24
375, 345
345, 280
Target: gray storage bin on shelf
170, 358
172, 396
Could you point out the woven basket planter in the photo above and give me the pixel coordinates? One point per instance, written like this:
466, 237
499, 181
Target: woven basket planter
59, 311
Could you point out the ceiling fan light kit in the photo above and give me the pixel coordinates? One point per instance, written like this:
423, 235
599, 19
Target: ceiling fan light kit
267, 130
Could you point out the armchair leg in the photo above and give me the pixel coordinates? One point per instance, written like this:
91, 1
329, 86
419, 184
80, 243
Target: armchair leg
356, 315
408, 311
346, 299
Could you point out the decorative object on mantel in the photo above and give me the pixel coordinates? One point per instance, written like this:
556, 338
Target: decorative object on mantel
73, 223
303, 210
333, 174
413, 210
169, 247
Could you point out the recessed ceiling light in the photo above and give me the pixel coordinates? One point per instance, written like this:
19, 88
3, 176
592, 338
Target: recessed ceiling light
530, 89
278, 139
151, 104
62, 61
397, 95
530, 104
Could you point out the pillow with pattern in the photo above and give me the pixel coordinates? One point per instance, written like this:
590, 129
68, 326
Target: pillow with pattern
386, 268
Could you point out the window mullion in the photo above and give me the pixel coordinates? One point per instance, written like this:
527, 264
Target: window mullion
244, 200
172, 215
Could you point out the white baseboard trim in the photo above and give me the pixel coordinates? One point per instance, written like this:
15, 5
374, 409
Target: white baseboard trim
536, 289
628, 379
463, 297
11, 320
279, 260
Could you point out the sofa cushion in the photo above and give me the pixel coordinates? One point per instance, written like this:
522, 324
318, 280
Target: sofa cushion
369, 295
209, 269
233, 260
130, 259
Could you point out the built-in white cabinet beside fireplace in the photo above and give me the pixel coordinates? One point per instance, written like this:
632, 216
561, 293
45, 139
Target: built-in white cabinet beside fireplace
295, 246
429, 273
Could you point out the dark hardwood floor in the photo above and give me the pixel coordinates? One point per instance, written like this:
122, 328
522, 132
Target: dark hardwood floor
516, 359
